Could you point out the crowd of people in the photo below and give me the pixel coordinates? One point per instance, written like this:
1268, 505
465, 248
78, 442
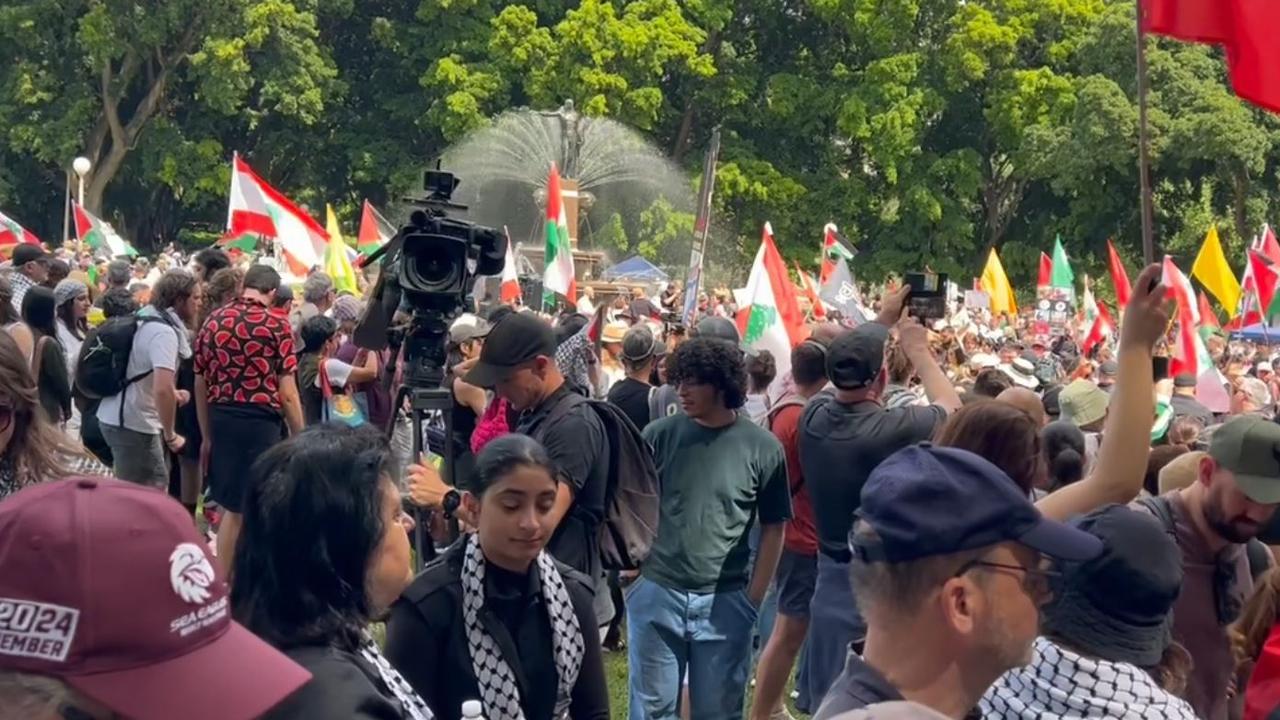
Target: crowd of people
965, 518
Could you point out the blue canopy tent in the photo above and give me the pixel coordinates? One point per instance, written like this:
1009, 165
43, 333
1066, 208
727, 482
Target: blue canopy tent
1259, 332
635, 269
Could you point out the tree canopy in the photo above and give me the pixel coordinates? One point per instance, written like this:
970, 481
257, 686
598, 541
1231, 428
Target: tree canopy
929, 130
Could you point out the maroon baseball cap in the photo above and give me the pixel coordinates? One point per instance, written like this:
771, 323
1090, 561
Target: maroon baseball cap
107, 586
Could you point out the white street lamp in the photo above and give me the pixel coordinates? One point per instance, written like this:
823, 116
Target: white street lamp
82, 165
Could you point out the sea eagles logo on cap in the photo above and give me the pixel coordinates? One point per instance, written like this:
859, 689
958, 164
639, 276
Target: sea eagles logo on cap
190, 573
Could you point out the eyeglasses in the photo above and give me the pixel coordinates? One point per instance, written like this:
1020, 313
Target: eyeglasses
6, 417
1038, 582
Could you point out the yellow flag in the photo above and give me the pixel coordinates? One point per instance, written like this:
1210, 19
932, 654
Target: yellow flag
1211, 269
996, 284
336, 263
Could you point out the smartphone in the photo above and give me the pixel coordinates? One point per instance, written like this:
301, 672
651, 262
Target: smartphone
1160, 368
928, 298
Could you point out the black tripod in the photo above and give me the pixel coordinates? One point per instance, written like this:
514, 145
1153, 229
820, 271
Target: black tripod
424, 362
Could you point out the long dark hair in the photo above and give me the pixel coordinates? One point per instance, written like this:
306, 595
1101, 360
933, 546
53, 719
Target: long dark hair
502, 455
1001, 433
7, 313
76, 326
312, 521
39, 312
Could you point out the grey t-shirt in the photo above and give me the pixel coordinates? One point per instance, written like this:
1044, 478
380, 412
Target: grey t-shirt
155, 346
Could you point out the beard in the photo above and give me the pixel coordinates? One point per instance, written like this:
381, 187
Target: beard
1238, 530
1005, 649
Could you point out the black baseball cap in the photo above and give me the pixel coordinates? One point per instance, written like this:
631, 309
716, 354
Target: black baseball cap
854, 358
716, 328
514, 341
1184, 380
26, 252
924, 501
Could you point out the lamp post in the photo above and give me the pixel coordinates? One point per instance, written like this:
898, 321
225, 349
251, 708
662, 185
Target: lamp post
82, 165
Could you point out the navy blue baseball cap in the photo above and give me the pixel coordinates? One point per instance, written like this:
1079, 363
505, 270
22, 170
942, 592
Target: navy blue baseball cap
925, 500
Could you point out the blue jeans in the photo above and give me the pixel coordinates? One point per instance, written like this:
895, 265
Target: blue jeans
670, 632
834, 623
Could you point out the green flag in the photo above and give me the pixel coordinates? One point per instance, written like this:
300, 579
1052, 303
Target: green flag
1062, 275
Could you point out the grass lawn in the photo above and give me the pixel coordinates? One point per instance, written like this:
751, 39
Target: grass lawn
615, 670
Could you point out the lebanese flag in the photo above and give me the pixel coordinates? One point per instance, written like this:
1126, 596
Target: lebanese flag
1208, 318
375, 231
558, 276
11, 233
257, 208
1046, 271
1186, 356
510, 289
771, 318
99, 235
1119, 277
1103, 329
811, 292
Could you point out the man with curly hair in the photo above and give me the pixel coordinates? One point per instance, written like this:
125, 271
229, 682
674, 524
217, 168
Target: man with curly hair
697, 599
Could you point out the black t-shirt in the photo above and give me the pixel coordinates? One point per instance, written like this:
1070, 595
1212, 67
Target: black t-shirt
632, 397
577, 446
839, 447
858, 686
644, 308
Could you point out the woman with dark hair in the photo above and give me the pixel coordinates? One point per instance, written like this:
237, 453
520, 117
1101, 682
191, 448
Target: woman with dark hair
72, 300
1003, 434
323, 551
1064, 449
31, 450
496, 618
39, 312
316, 361
11, 321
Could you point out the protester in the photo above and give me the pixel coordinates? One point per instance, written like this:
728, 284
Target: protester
1005, 435
1161, 456
330, 490
1255, 639
844, 435
586, 304
30, 269
376, 394
1064, 449
466, 339
1026, 401
48, 362
1106, 648
991, 382
243, 389
1022, 372
798, 565
209, 261
517, 362
1107, 372
72, 300
142, 271
223, 287
496, 618
11, 321
898, 392
1180, 473
139, 422
131, 623
317, 297
1251, 397
31, 449
119, 275
946, 564
1234, 495
696, 599
642, 308
640, 352
316, 362
761, 371
611, 367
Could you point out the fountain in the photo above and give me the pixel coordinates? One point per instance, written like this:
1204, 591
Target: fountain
605, 167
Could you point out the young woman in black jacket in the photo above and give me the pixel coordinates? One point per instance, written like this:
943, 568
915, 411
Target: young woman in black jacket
48, 363
323, 551
496, 601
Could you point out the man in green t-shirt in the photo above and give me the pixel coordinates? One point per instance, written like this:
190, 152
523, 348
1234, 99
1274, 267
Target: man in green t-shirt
697, 598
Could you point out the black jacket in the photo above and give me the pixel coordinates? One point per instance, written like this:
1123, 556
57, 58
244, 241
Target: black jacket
427, 640
343, 686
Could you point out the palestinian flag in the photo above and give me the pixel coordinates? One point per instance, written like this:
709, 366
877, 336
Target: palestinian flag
558, 276
771, 320
375, 231
11, 233
833, 249
100, 235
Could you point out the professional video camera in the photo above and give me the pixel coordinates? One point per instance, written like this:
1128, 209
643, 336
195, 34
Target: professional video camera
427, 270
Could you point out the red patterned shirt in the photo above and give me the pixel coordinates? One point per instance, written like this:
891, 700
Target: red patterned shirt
242, 351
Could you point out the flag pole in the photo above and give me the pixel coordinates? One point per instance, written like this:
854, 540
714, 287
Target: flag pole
1144, 143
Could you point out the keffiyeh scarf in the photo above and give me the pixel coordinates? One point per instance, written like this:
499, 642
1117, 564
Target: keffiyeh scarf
498, 688
1061, 684
414, 707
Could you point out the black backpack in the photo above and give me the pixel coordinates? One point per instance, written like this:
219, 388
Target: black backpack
633, 495
102, 368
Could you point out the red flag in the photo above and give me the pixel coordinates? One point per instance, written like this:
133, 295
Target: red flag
829, 242
1268, 246
1208, 317
1046, 271
1253, 56
811, 292
1265, 281
1185, 359
1103, 329
1206, 21
1119, 277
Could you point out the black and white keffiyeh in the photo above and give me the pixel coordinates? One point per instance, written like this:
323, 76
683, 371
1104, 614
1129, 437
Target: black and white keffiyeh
1061, 684
414, 707
498, 689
